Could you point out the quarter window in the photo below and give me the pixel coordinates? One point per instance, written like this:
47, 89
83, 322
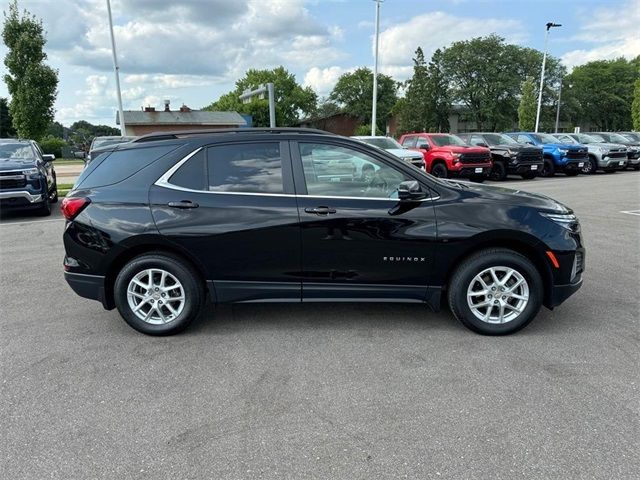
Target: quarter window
247, 168
332, 170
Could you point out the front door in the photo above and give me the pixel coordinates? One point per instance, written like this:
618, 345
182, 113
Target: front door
232, 207
358, 240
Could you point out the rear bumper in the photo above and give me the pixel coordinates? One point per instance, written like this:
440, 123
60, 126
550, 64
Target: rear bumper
88, 286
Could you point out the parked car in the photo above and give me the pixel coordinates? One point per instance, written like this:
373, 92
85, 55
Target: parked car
509, 157
105, 141
633, 146
446, 155
608, 157
392, 146
27, 177
155, 228
633, 136
558, 156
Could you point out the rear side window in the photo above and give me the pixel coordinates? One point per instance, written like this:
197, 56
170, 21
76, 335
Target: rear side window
247, 168
120, 164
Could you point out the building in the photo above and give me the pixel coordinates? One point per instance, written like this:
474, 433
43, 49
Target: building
149, 120
338, 123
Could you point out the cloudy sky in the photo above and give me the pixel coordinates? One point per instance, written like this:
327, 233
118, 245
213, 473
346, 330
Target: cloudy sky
192, 51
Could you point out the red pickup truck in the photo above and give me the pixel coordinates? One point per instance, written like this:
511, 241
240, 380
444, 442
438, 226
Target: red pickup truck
446, 155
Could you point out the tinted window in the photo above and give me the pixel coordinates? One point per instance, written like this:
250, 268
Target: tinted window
192, 174
120, 164
20, 151
445, 140
247, 167
524, 139
476, 139
409, 141
331, 170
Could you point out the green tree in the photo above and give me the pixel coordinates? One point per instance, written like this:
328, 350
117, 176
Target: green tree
55, 129
354, 94
485, 74
31, 84
603, 92
51, 144
292, 100
6, 124
413, 109
635, 106
528, 106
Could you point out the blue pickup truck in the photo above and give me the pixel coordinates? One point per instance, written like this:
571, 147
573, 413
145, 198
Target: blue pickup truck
558, 157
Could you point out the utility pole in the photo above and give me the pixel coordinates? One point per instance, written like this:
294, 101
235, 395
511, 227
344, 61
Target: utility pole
558, 110
544, 62
374, 105
247, 95
117, 72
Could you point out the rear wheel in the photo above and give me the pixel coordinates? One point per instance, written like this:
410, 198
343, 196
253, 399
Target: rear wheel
440, 170
548, 169
495, 292
498, 172
157, 294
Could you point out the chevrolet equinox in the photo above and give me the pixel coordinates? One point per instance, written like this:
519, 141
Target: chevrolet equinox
156, 227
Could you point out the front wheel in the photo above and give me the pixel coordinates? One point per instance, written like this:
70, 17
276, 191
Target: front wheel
590, 166
495, 292
440, 170
157, 294
548, 169
45, 208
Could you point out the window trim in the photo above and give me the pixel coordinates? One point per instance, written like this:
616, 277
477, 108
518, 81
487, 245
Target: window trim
163, 182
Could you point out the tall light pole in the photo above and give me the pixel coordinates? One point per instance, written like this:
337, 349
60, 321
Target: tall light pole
117, 72
374, 104
550, 25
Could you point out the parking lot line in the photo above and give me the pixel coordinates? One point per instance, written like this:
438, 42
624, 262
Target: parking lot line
631, 212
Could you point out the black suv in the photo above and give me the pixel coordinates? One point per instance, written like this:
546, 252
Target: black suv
157, 226
509, 157
27, 177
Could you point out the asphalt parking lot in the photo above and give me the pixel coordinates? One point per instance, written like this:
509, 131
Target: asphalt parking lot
325, 391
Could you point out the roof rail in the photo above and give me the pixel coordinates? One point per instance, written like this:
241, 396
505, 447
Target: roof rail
151, 137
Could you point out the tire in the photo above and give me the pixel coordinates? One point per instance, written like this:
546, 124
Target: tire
636, 167
572, 173
529, 176
464, 281
440, 170
590, 166
498, 172
54, 199
186, 310
45, 209
548, 169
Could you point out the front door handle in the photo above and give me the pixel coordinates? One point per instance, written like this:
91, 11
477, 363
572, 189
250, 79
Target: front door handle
183, 204
320, 210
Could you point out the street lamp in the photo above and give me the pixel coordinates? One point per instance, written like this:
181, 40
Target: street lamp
116, 68
550, 25
559, 99
374, 104
247, 95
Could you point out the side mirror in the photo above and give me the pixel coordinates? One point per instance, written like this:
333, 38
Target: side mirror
529, 142
481, 144
48, 157
423, 146
410, 190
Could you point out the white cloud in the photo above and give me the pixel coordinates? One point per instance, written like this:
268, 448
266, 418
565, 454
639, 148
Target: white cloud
322, 80
432, 31
611, 33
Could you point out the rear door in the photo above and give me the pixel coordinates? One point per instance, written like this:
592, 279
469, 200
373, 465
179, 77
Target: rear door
358, 240
232, 207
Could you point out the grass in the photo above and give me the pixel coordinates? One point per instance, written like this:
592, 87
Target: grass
68, 161
63, 189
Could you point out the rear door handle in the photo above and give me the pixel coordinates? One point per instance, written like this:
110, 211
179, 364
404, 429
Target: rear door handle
183, 204
320, 210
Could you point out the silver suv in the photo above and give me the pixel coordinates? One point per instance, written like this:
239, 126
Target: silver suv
602, 155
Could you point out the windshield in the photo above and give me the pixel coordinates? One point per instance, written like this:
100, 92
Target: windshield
382, 142
16, 151
584, 138
499, 139
617, 138
444, 140
634, 137
544, 138
103, 142
566, 139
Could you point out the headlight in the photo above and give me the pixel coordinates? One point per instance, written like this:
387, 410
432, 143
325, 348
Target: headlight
456, 155
563, 151
602, 149
565, 220
30, 171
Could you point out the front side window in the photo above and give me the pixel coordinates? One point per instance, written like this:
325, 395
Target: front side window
409, 142
332, 170
247, 168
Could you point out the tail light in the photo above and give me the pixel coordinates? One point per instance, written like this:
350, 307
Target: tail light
72, 206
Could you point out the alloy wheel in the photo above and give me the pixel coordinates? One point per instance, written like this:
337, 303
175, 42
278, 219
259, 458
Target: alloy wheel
155, 296
498, 295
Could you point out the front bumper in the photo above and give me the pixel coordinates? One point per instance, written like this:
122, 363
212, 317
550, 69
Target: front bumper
521, 168
559, 293
19, 199
466, 170
612, 163
88, 286
574, 165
